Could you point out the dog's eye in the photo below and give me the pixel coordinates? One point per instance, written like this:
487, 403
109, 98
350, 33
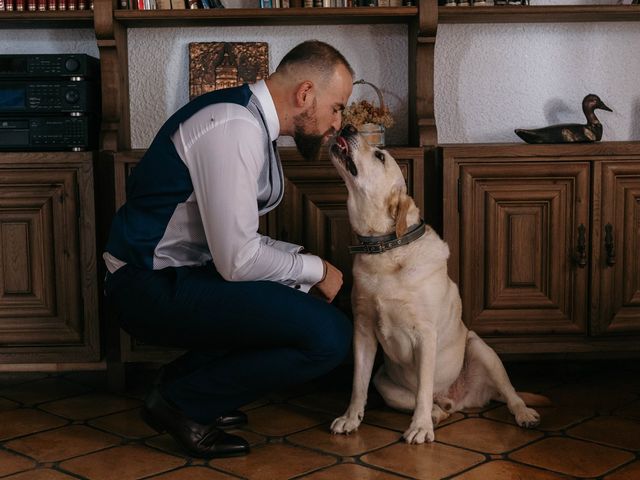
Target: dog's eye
380, 156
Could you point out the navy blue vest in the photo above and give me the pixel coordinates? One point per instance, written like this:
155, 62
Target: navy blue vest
161, 181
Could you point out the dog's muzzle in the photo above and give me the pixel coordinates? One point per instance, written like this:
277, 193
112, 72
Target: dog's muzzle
342, 149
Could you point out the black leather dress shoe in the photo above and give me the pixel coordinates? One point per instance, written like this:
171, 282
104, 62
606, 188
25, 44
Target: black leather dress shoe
203, 441
231, 419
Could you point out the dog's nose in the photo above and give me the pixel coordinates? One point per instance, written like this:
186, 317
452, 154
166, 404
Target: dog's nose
348, 129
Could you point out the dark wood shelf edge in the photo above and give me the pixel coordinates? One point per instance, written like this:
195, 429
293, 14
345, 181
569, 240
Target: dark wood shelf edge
540, 14
494, 150
258, 16
46, 157
72, 19
137, 153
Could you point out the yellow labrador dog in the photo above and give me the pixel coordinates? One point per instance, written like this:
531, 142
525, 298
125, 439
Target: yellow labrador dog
404, 299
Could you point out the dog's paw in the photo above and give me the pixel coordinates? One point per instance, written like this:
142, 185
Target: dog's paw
527, 417
345, 424
438, 415
419, 434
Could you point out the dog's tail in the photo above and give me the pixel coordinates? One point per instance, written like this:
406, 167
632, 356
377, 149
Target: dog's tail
534, 400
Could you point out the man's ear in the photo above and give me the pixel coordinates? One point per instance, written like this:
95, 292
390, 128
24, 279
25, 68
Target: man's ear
399, 203
304, 94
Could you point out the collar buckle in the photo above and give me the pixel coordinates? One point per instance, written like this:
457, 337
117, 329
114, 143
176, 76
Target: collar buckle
374, 247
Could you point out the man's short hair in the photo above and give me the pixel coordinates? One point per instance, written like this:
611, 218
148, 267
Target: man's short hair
315, 55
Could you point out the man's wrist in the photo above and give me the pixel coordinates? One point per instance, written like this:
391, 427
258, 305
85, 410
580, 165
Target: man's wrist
324, 271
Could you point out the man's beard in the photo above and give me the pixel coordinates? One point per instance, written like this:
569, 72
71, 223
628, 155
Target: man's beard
308, 144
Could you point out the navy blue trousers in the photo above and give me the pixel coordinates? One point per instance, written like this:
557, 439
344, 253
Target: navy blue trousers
243, 339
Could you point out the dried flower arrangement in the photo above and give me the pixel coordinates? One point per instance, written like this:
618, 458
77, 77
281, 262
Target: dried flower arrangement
365, 112
362, 112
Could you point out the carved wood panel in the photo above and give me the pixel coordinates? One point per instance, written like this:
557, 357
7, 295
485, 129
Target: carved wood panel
519, 234
48, 308
618, 266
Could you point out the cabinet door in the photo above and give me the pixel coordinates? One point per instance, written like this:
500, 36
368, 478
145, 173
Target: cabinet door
48, 293
617, 253
521, 224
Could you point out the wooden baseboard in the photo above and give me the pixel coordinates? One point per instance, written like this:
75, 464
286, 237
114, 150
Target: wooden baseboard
52, 367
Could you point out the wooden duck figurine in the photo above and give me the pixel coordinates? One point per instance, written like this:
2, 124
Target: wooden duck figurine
570, 132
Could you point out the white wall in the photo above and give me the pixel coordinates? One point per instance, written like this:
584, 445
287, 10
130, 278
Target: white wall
490, 79
159, 66
82, 40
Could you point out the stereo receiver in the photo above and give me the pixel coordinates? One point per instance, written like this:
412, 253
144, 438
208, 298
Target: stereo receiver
46, 96
49, 65
47, 133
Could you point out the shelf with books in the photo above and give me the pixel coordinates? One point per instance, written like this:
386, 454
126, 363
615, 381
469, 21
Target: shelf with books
540, 14
265, 16
47, 19
112, 24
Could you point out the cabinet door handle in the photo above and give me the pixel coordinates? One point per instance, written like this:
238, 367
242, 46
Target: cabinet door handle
580, 257
608, 245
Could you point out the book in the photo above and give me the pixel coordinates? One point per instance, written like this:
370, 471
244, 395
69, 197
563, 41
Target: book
217, 65
178, 4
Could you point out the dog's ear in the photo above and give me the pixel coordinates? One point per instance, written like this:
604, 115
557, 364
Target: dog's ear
399, 204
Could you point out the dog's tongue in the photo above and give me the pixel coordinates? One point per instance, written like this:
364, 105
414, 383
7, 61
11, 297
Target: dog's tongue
342, 143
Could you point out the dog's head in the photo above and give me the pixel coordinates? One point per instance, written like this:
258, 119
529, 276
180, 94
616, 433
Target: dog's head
378, 202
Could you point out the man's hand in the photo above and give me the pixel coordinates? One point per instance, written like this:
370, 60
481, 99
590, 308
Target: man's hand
329, 287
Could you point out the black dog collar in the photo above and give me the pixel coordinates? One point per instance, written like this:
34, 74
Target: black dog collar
383, 243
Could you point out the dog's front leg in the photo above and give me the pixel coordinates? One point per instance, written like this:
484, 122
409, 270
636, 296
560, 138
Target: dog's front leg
421, 428
365, 345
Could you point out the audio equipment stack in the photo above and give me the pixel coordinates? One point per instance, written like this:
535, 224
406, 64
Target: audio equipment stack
49, 102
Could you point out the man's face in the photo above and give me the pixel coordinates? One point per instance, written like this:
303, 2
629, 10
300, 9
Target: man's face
320, 121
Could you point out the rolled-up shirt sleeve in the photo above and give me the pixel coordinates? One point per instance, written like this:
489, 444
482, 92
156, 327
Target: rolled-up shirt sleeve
225, 159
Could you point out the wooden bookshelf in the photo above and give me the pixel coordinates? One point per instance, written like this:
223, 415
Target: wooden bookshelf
262, 16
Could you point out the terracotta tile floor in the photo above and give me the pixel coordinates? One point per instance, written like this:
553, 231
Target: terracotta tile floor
68, 426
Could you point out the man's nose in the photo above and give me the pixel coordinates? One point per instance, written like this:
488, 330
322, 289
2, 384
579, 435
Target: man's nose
336, 124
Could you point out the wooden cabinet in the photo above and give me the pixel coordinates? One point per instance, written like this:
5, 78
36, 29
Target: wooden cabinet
516, 241
545, 244
313, 213
48, 293
616, 248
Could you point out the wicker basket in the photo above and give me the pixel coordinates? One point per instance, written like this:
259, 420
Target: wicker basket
373, 133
